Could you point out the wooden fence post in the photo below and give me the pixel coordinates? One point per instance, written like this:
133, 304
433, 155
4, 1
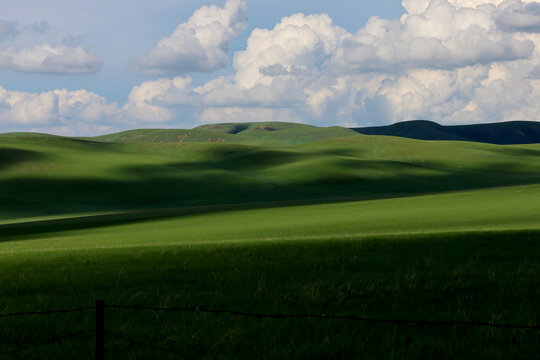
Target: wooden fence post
100, 330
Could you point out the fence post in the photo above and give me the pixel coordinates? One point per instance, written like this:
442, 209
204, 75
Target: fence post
100, 330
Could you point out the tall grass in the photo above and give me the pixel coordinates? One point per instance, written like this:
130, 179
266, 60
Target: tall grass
477, 277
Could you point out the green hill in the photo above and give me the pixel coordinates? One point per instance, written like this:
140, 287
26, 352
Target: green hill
377, 227
169, 136
263, 133
62, 175
280, 133
502, 133
27, 135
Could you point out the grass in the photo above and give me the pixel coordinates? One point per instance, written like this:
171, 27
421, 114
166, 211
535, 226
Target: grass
434, 257
465, 277
262, 133
371, 226
46, 176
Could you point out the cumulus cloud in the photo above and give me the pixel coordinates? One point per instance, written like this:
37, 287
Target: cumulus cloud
451, 61
242, 114
69, 58
297, 44
438, 61
145, 102
26, 108
45, 58
517, 16
199, 45
434, 35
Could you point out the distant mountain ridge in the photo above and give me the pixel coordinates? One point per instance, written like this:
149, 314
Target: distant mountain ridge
503, 133
287, 134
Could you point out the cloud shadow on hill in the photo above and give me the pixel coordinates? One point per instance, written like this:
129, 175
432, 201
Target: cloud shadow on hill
12, 156
181, 194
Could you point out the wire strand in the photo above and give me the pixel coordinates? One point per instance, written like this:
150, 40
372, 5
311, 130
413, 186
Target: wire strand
324, 316
48, 312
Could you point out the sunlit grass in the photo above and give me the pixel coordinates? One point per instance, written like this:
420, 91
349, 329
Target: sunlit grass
371, 226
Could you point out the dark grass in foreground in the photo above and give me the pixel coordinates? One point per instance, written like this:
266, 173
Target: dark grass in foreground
483, 276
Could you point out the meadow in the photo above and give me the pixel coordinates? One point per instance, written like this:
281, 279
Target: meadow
371, 226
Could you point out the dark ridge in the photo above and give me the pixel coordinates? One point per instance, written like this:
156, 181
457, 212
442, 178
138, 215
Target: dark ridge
503, 133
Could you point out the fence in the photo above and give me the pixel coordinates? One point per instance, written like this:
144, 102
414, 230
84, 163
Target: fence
100, 332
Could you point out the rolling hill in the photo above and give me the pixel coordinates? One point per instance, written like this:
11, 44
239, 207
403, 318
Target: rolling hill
48, 175
274, 219
503, 133
260, 133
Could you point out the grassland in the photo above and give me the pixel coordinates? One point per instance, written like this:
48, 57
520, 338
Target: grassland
372, 226
53, 175
261, 134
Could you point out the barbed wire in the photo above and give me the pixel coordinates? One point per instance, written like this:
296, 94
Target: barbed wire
46, 342
48, 312
325, 316
281, 316
237, 313
139, 343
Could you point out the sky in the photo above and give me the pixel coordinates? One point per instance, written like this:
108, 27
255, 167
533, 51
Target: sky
93, 67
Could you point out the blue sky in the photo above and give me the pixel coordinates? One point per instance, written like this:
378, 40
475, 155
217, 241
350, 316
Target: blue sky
85, 68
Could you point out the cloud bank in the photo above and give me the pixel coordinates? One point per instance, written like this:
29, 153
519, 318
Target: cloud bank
451, 61
69, 58
63, 111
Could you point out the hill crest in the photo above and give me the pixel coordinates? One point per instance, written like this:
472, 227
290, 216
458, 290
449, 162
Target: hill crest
501, 133
286, 133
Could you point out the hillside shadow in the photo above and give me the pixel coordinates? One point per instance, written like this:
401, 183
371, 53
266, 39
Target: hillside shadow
232, 159
11, 156
238, 129
188, 192
519, 151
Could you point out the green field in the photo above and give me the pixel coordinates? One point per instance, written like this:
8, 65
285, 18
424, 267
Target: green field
310, 221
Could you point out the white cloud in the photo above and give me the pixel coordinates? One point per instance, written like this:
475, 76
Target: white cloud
298, 44
517, 16
429, 64
436, 35
51, 107
451, 61
46, 58
242, 114
146, 101
199, 45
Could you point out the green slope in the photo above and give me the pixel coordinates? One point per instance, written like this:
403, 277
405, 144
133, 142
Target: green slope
373, 226
263, 133
499, 209
280, 133
169, 136
60, 175
467, 256
27, 135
